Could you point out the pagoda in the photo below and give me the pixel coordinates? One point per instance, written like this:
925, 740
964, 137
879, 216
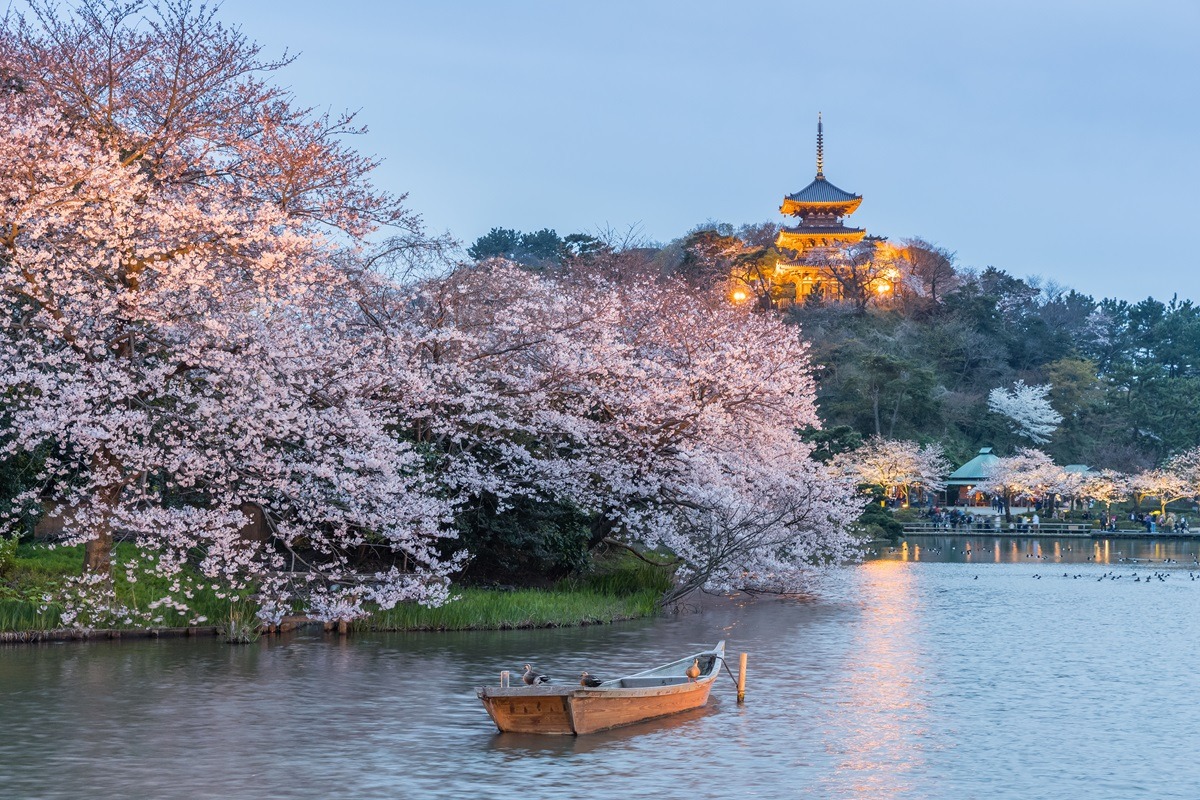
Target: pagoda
819, 208
819, 232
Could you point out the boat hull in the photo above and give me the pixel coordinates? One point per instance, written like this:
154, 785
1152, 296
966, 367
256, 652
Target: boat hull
568, 710
563, 710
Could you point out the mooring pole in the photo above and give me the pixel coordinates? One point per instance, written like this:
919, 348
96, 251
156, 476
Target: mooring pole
742, 679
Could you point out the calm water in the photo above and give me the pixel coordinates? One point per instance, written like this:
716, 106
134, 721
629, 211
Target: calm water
925, 673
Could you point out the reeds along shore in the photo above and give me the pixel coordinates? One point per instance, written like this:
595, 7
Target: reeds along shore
621, 592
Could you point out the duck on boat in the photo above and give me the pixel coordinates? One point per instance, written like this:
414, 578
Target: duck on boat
547, 708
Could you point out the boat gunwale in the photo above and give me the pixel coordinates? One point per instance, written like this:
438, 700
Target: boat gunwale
612, 688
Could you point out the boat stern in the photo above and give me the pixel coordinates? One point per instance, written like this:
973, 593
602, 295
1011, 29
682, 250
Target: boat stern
533, 709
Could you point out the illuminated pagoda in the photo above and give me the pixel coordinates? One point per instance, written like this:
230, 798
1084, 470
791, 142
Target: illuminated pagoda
818, 234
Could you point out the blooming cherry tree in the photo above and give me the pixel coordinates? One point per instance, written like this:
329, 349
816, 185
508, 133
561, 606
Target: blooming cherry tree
1165, 485
896, 466
667, 415
1028, 410
1027, 472
1105, 486
1187, 467
183, 335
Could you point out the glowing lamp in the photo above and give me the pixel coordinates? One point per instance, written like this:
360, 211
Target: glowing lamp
739, 296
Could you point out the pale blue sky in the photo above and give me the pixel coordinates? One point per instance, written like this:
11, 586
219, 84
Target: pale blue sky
1054, 138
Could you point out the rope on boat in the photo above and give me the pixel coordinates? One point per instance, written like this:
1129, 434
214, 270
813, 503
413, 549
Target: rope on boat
728, 671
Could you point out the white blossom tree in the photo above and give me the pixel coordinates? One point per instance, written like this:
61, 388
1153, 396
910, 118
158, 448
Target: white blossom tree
182, 330
1186, 466
897, 466
1164, 485
1028, 410
1027, 472
1105, 486
667, 415
194, 337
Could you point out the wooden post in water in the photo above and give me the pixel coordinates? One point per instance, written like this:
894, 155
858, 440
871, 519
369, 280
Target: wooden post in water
742, 679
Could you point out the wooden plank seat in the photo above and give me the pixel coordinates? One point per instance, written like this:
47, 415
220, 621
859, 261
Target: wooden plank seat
646, 683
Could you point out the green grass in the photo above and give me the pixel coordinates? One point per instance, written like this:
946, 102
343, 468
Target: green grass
490, 609
22, 615
38, 570
617, 587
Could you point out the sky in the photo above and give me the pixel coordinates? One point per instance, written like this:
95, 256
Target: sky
1055, 138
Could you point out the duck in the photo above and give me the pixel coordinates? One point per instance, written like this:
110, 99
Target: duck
532, 678
693, 672
588, 680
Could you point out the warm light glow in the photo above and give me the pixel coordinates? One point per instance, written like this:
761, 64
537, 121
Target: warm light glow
883, 287
738, 296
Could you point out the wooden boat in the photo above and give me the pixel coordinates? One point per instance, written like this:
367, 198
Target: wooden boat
657, 692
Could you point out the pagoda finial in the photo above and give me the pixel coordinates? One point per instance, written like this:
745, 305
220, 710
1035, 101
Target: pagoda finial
820, 149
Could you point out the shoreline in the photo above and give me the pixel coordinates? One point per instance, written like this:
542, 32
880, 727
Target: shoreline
516, 617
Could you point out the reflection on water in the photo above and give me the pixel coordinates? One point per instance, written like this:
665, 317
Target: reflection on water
875, 726
1021, 549
970, 668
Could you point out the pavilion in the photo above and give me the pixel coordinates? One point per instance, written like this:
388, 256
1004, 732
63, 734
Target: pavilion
960, 485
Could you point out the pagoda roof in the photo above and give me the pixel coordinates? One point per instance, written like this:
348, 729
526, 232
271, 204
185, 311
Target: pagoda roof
817, 235
822, 191
815, 230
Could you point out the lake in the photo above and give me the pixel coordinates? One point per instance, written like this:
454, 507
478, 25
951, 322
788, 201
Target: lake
1024, 668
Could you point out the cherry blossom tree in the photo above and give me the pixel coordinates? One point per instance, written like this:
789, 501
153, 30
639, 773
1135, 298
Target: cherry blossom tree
1105, 486
703, 401
1164, 485
199, 335
1187, 466
1028, 410
183, 331
1027, 472
667, 415
896, 466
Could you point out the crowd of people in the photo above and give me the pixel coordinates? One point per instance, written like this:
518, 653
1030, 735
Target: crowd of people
958, 519
1154, 523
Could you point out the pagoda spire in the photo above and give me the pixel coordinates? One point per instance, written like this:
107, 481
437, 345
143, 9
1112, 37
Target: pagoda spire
819, 208
820, 149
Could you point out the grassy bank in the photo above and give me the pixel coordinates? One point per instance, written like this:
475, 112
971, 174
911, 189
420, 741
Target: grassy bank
483, 609
37, 571
616, 589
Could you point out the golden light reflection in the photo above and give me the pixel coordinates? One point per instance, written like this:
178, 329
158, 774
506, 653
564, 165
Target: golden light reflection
883, 710
739, 296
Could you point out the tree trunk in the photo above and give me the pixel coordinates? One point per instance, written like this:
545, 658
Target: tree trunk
97, 553
601, 528
895, 414
875, 408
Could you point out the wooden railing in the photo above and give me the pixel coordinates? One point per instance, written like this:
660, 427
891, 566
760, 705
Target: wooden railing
988, 527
